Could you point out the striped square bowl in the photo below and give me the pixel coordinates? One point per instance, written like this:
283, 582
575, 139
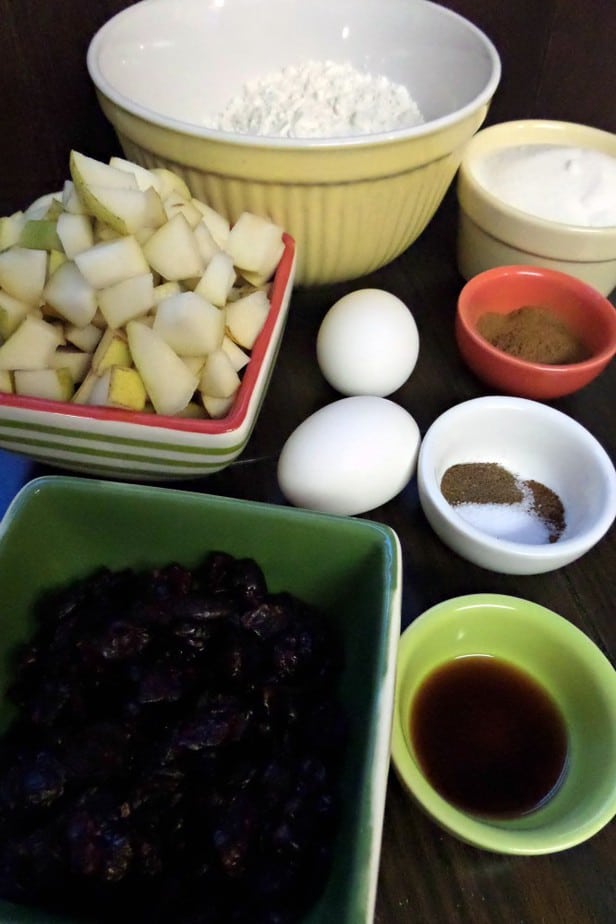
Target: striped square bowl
134, 446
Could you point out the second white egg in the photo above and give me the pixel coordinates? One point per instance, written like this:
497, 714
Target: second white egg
367, 343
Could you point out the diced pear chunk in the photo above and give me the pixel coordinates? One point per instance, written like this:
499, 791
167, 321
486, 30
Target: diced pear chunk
217, 407
217, 280
175, 203
256, 246
217, 224
218, 378
236, 354
245, 318
23, 272
143, 176
10, 229
109, 262
119, 386
87, 171
75, 233
84, 338
40, 234
189, 324
166, 182
30, 346
70, 294
169, 383
112, 350
127, 299
12, 313
6, 382
75, 361
52, 384
173, 251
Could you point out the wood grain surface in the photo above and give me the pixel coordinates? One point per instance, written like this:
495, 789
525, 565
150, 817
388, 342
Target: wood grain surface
559, 61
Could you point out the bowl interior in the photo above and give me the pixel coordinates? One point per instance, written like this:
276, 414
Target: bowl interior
132, 58
571, 669
348, 567
589, 316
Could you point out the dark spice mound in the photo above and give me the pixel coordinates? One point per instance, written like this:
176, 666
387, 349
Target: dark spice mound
480, 483
175, 752
532, 333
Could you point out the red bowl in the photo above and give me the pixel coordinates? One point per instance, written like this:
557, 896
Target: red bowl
590, 317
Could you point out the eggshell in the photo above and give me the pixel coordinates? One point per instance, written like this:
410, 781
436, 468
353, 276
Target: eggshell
350, 456
367, 343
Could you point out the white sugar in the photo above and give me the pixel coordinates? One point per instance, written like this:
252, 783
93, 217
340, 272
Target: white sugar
512, 522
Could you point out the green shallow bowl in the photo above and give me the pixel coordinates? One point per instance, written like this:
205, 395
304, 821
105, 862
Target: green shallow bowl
568, 665
59, 529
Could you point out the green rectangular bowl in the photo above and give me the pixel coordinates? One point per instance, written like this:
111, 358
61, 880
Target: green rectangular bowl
58, 529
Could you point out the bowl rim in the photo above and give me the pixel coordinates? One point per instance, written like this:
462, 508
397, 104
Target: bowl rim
104, 86
498, 137
567, 547
243, 407
482, 833
591, 296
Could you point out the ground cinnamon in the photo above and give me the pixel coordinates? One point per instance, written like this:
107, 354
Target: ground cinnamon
532, 333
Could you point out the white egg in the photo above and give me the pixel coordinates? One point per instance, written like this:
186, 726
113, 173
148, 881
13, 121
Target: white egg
367, 343
350, 456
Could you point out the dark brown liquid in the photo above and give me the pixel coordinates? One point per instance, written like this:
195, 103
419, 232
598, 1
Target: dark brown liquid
488, 737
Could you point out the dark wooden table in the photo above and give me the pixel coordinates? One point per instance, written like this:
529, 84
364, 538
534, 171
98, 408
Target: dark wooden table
46, 107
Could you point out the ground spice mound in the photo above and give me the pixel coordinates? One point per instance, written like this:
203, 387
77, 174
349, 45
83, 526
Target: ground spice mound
480, 483
532, 333
489, 483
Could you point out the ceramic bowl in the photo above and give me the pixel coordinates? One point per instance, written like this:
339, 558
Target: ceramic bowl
533, 442
570, 668
589, 316
351, 203
492, 232
140, 446
349, 568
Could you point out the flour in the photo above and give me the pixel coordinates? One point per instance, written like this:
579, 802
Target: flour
556, 182
318, 99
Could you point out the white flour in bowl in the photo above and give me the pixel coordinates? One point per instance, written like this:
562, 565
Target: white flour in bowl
318, 99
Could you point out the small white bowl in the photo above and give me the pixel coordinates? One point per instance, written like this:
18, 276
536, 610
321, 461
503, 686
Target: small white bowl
532, 441
493, 233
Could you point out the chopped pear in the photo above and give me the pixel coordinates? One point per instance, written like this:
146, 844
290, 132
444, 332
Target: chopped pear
82, 394
195, 364
76, 361
217, 407
84, 338
205, 242
236, 354
12, 313
112, 350
175, 203
40, 234
11, 228
102, 232
23, 272
144, 177
218, 378
70, 199
125, 210
75, 233
256, 246
165, 289
56, 257
119, 386
217, 280
53, 384
193, 411
189, 324
40, 207
109, 262
127, 299
216, 223
167, 181
6, 382
245, 318
70, 294
169, 383
87, 171
172, 250
30, 346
